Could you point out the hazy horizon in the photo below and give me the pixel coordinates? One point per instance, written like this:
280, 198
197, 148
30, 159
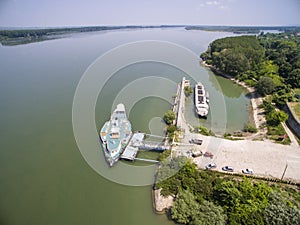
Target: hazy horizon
144, 25
69, 13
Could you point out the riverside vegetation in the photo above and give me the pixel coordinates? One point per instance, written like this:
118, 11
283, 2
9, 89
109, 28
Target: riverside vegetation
209, 197
268, 62
271, 64
25, 36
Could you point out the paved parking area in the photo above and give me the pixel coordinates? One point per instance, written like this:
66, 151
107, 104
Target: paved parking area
264, 157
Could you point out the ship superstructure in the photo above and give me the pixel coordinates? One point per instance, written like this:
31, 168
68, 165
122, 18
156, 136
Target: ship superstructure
201, 100
115, 135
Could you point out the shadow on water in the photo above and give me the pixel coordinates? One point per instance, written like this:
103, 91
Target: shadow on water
228, 88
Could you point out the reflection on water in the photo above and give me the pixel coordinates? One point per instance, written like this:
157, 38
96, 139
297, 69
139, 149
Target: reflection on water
228, 88
44, 179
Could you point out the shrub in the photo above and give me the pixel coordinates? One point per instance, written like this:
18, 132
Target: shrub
169, 117
188, 91
249, 127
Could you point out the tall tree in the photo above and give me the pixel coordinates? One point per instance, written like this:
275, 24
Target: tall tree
185, 207
265, 85
209, 213
169, 116
293, 78
280, 211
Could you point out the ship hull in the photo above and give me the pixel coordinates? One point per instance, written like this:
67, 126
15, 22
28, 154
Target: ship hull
201, 100
115, 135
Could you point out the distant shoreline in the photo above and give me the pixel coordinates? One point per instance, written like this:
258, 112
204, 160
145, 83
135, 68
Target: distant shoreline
24, 35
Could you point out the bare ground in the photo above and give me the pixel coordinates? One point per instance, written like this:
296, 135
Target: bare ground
161, 203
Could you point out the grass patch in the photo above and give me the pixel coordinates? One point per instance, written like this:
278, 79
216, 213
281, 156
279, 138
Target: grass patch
203, 130
295, 107
277, 133
249, 127
297, 91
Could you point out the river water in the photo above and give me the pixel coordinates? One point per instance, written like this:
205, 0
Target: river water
44, 178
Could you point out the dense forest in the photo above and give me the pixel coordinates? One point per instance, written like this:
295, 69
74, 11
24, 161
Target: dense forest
271, 62
243, 29
268, 62
208, 197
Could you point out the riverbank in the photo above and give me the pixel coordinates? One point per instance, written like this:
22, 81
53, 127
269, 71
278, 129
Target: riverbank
257, 113
161, 204
266, 158
256, 100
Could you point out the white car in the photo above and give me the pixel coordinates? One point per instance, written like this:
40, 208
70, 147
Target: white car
228, 168
248, 171
211, 166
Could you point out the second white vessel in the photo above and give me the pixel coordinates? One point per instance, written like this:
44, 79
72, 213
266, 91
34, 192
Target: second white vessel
201, 100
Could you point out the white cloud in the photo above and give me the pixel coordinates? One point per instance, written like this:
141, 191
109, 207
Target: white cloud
219, 4
213, 3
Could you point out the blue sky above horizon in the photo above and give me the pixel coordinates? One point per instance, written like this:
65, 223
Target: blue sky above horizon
43, 13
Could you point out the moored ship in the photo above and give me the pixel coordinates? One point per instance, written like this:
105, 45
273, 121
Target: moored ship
115, 135
201, 100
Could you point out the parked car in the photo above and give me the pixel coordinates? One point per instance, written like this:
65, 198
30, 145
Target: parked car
208, 154
211, 166
196, 141
196, 154
248, 171
228, 168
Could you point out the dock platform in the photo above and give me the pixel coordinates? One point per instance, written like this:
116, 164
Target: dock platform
138, 142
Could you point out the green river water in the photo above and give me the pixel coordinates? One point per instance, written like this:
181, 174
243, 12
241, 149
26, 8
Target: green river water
44, 178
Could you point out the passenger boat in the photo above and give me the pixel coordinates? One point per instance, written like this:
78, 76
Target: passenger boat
201, 100
115, 135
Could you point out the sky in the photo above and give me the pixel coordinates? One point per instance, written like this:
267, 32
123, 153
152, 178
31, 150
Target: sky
45, 13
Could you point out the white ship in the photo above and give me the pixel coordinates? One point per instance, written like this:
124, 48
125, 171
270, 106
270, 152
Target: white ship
115, 135
201, 100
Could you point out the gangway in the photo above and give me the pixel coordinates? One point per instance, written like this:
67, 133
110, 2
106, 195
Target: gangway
147, 160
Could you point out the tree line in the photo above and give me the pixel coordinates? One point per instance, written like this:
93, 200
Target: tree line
208, 197
270, 62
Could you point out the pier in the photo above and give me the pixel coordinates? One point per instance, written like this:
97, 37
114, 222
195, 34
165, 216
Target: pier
146, 142
179, 103
138, 141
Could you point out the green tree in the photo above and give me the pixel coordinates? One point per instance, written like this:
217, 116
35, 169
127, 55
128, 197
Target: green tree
169, 175
209, 213
268, 68
265, 85
184, 208
276, 117
282, 96
164, 155
293, 78
227, 194
171, 131
280, 211
169, 117
243, 201
234, 55
268, 107
188, 91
